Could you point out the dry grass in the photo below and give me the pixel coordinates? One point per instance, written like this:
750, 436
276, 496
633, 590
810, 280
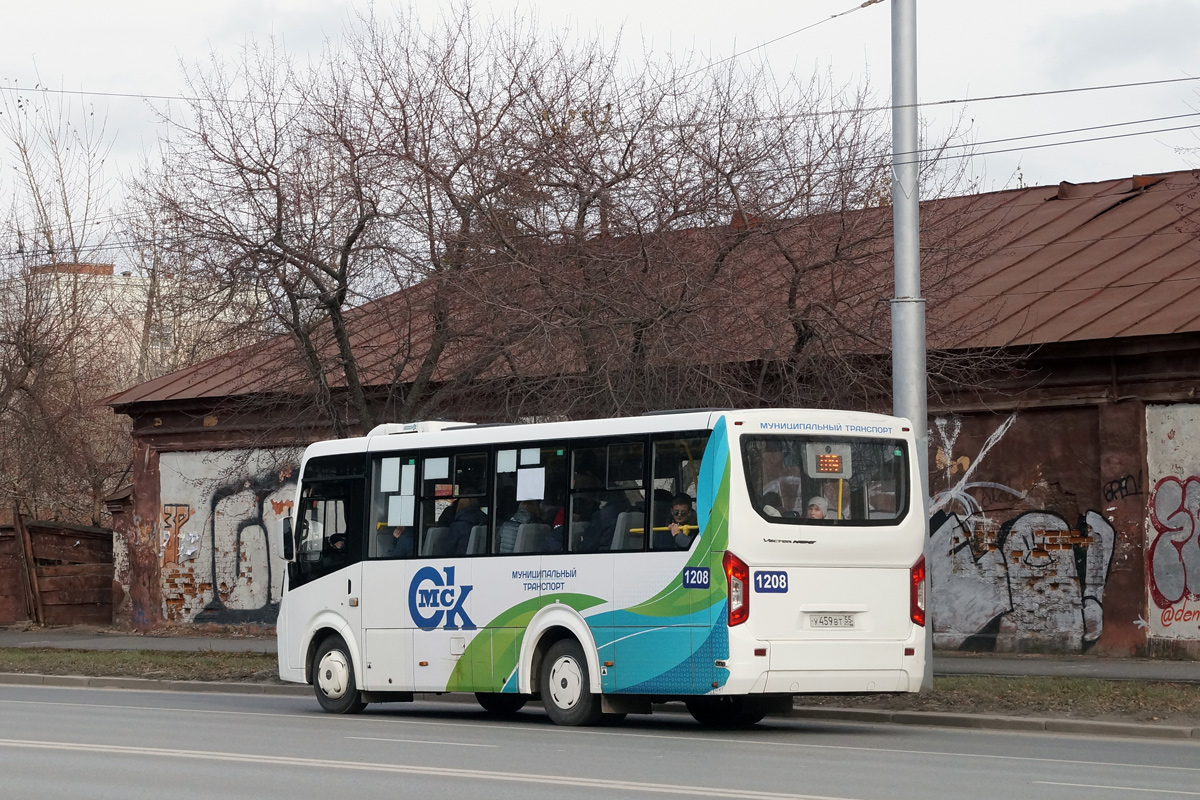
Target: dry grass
204, 665
1080, 698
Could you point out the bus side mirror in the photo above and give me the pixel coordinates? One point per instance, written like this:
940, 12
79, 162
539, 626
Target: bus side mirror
285, 544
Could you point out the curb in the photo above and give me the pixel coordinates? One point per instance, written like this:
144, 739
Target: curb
934, 719
152, 685
938, 719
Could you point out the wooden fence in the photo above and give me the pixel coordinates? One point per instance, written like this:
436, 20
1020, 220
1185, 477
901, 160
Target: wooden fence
55, 574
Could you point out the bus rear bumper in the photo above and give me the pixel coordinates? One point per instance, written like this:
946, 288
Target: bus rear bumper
829, 666
836, 681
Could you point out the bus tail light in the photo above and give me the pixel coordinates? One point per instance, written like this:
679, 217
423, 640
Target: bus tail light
738, 576
916, 597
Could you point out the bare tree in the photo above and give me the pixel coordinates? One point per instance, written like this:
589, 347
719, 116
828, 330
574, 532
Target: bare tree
62, 450
471, 215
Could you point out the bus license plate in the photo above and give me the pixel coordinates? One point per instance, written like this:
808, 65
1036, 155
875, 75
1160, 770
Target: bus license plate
831, 620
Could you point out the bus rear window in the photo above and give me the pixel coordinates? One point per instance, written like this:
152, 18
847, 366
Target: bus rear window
817, 480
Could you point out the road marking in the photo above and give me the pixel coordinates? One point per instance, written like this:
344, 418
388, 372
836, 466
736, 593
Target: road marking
1117, 788
416, 741
408, 769
395, 719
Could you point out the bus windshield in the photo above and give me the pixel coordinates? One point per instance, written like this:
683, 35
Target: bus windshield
818, 480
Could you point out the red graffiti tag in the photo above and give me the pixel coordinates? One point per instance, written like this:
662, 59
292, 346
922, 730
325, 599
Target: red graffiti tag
1170, 615
1173, 562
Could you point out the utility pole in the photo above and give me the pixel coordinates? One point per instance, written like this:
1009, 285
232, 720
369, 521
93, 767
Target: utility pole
909, 380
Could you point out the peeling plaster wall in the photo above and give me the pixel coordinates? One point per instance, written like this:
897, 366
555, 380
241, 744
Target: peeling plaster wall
1173, 522
217, 516
1021, 542
137, 597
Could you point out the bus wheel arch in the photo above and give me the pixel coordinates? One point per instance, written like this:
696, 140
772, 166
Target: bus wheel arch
549, 626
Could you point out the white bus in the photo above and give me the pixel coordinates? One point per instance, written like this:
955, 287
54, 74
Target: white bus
728, 559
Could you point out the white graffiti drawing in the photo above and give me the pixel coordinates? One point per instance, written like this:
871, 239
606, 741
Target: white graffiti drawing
957, 499
1027, 582
1007, 586
969, 586
1099, 558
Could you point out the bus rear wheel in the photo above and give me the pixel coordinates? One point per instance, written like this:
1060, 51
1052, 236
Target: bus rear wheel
726, 712
333, 678
502, 705
566, 686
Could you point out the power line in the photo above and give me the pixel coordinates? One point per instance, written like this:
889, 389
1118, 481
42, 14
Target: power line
779, 38
831, 112
1046, 93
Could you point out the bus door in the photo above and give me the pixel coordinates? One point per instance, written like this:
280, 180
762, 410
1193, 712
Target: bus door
325, 578
440, 598
387, 573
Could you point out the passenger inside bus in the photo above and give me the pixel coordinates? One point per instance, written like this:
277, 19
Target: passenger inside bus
466, 516
335, 555
528, 512
771, 503
402, 542
599, 533
683, 521
818, 507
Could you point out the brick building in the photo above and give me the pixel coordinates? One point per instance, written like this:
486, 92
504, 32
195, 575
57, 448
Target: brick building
1065, 494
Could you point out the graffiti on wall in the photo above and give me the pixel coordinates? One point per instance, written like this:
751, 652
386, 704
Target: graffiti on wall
1174, 556
1173, 521
175, 516
1004, 581
227, 506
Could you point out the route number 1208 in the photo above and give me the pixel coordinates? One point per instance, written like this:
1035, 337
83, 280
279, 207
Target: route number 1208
771, 581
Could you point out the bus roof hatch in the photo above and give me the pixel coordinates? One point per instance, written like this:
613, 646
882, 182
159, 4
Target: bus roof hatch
425, 426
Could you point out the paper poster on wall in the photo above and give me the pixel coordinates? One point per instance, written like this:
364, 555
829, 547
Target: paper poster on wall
437, 469
400, 510
531, 484
506, 461
408, 475
389, 475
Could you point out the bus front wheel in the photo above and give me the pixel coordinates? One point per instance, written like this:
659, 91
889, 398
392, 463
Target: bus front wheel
566, 686
502, 705
333, 678
726, 712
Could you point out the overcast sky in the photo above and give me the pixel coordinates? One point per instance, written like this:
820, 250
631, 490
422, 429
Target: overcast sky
967, 49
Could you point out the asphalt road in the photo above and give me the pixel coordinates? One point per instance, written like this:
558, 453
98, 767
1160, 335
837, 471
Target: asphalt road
126, 744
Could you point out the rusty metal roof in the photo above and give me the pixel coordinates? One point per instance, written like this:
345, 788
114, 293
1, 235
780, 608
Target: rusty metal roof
1073, 262
1088, 261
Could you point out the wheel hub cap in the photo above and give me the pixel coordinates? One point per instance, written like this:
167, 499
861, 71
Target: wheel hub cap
333, 674
566, 682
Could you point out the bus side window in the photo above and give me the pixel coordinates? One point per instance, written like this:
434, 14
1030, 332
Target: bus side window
676, 474
391, 528
530, 486
454, 504
607, 498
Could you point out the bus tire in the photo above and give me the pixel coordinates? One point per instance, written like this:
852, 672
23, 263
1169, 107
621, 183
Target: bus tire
726, 712
566, 686
333, 678
501, 705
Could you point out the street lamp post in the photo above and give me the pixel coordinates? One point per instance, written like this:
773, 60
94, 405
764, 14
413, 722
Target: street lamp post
908, 307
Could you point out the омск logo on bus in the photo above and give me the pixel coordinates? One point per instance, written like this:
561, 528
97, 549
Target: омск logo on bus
442, 599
